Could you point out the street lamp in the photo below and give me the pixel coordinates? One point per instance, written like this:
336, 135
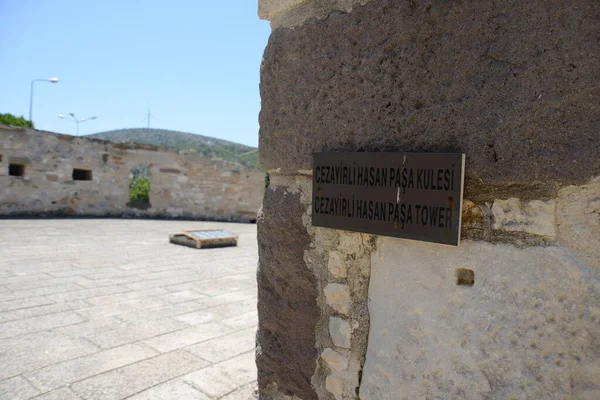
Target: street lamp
77, 121
51, 80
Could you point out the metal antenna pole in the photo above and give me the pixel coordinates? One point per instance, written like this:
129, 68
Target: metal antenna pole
31, 101
148, 116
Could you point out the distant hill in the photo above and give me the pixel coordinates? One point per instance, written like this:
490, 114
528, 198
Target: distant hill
210, 147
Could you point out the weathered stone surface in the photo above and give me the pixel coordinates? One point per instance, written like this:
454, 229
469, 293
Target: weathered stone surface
511, 84
293, 13
525, 330
335, 360
578, 218
535, 217
340, 331
472, 216
287, 294
335, 264
335, 386
338, 297
269, 9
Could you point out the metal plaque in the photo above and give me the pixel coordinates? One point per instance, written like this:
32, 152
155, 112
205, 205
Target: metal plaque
407, 195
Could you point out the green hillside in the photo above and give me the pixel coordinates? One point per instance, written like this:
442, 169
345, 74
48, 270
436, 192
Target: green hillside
210, 147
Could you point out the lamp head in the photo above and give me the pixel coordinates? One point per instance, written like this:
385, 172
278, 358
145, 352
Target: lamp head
53, 80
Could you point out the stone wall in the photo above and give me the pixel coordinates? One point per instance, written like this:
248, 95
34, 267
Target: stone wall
182, 184
514, 311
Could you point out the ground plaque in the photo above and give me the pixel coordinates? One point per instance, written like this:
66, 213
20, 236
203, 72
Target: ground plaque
408, 195
204, 239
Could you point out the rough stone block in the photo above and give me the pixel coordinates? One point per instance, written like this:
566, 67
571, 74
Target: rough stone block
535, 217
338, 297
335, 386
414, 83
525, 329
472, 216
336, 265
285, 333
578, 218
269, 9
340, 331
335, 360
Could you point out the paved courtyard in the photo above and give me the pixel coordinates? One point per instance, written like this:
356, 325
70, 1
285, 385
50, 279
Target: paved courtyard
108, 309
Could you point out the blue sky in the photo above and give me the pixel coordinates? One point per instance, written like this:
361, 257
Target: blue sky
195, 62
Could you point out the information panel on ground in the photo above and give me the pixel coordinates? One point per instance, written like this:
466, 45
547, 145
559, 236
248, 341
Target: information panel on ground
407, 195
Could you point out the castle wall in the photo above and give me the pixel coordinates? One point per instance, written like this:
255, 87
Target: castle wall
182, 184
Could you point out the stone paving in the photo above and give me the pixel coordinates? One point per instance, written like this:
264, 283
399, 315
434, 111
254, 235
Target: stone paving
108, 309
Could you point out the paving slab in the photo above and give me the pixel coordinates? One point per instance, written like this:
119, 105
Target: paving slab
35, 311
223, 378
17, 388
58, 394
127, 381
108, 309
136, 331
187, 337
62, 374
246, 392
226, 346
176, 389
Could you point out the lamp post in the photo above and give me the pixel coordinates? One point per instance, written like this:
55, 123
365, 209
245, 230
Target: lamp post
77, 121
51, 80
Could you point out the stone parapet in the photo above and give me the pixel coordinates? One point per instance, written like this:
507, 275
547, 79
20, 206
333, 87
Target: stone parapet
182, 184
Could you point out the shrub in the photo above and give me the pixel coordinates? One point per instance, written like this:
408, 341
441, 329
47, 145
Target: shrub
9, 119
139, 189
